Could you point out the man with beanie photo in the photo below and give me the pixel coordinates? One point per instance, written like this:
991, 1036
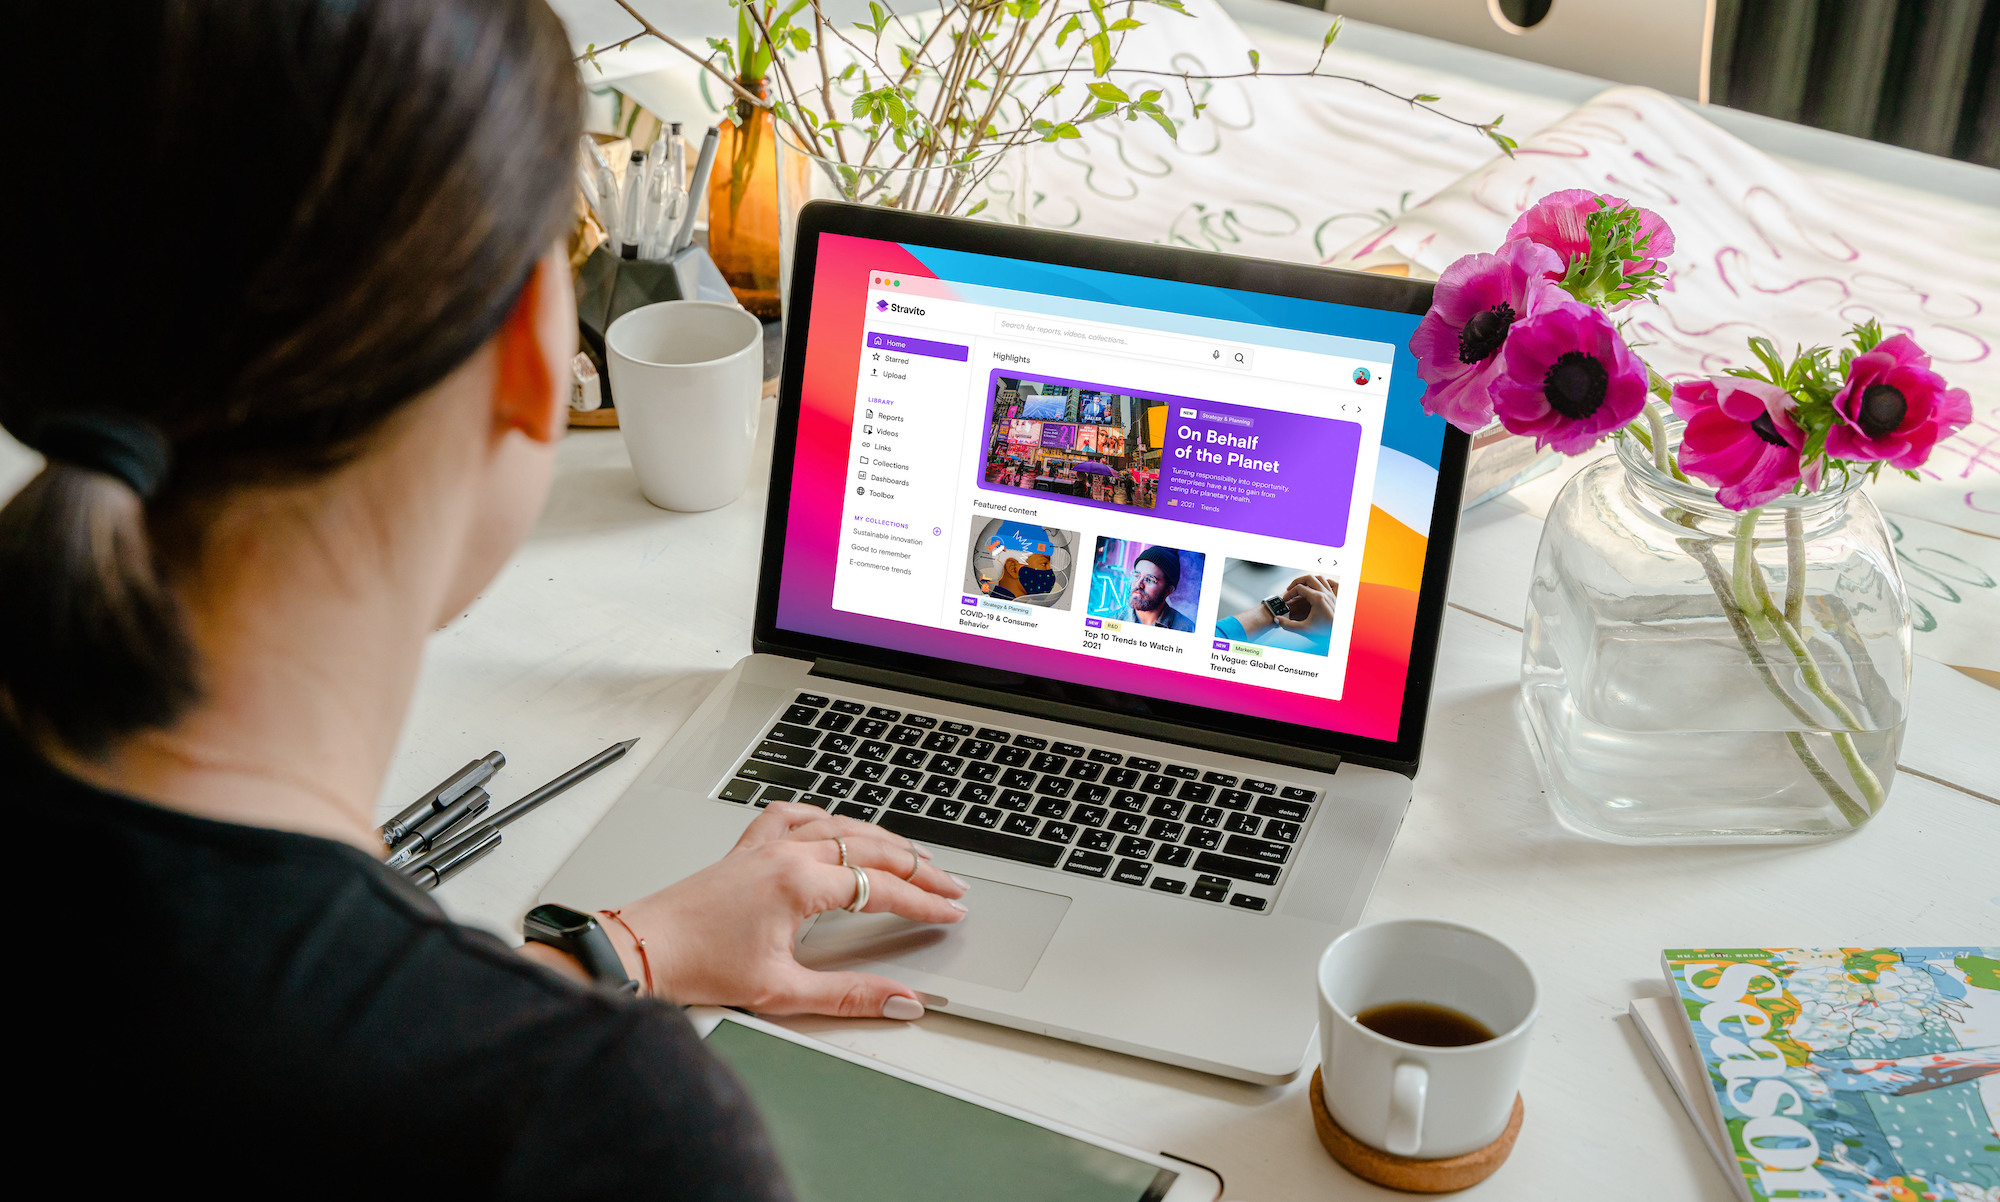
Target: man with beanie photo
1155, 576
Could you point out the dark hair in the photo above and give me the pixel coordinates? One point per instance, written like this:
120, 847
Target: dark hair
305, 213
1167, 560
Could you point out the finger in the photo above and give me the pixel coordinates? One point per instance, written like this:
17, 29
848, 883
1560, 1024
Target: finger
845, 995
873, 847
774, 821
829, 826
834, 888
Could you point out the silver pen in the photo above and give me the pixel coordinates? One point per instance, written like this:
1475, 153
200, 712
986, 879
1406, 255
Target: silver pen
702, 163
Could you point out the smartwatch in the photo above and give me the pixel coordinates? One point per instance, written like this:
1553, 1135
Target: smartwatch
578, 934
1277, 607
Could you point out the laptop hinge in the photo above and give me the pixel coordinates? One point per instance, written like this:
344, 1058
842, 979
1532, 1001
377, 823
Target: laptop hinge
1142, 725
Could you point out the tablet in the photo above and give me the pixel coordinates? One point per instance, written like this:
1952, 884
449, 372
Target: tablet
849, 1129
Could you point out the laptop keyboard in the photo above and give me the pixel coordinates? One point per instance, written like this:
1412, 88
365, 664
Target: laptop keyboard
1066, 807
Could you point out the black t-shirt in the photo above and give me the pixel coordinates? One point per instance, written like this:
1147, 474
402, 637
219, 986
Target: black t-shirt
254, 1009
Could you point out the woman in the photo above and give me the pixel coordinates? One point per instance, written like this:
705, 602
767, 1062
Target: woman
297, 409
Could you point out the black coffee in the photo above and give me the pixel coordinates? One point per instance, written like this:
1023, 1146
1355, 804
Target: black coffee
1425, 1024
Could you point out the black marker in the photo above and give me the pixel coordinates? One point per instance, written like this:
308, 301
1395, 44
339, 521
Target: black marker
478, 772
429, 876
506, 815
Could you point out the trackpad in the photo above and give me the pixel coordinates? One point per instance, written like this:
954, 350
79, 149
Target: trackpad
997, 943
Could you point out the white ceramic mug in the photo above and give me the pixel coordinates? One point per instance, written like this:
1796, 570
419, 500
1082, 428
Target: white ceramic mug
1426, 1103
688, 377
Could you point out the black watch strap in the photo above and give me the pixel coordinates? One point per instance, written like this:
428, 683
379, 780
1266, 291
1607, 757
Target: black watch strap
578, 934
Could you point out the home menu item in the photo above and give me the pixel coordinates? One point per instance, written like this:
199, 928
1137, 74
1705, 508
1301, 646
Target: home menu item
1857, 1073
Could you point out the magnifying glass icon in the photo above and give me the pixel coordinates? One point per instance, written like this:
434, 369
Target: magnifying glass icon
1239, 356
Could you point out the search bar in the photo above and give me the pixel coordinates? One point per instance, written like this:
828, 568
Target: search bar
1147, 344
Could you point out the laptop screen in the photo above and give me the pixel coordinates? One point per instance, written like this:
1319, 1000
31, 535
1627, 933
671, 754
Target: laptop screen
1200, 495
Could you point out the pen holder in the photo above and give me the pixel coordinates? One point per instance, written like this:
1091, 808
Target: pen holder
608, 287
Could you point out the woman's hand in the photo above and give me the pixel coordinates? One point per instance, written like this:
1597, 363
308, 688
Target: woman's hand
1311, 601
724, 935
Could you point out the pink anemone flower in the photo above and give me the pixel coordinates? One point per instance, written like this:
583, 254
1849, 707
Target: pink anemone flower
1477, 302
1557, 222
1894, 408
1740, 437
1568, 379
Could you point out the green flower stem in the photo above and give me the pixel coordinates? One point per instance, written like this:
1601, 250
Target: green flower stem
1795, 565
1744, 571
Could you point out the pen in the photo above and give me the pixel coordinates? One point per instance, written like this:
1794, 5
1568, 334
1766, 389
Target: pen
429, 876
630, 215
661, 233
429, 832
508, 813
702, 163
478, 772
607, 191
655, 186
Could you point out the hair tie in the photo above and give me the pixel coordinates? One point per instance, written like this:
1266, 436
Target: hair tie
129, 448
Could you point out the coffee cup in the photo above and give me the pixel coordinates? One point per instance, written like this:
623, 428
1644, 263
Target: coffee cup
688, 378
1423, 1033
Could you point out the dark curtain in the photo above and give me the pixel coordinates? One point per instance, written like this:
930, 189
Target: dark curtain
1918, 73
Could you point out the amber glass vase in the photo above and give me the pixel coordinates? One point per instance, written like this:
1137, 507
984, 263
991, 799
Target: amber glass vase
743, 207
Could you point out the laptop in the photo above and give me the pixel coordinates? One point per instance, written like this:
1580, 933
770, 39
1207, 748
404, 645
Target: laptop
1113, 574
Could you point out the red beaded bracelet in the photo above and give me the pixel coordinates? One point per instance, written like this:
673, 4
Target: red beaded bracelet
645, 963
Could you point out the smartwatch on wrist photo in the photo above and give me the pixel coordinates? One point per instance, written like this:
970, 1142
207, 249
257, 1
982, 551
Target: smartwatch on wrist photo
577, 934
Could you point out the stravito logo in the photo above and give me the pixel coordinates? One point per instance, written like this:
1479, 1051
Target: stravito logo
912, 310
881, 306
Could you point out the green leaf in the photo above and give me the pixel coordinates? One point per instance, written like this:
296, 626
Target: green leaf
1066, 130
880, 14
1100, 109
1425, 98
1108, 91
1100, 53
975, 208
801, 40
1124, 23
1097, 10
1256, 62
1332, 32
1167, 123
1073, 25
1149, 95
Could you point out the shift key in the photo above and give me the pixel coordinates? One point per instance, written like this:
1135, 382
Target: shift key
777, 774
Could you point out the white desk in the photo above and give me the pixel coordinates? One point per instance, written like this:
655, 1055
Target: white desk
617, 617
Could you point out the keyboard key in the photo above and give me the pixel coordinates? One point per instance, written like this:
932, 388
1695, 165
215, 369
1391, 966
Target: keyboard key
1057, 832
1233, 799
875, 795
883, 713
873, 752
1167, 884
921, 721
947, 810
1129, 824
1249, 901
983, 773
796, 736
1157, 783
905, 778
1290, 811
1137, 849
1031, 742
1204, 816
1049, 761
1096, 840
1260, 786
779, 753
870, 728
869, 772
909, 757
1054, 786
801, 715
1017, 778
1131, 872
1122, 778
1092, 794
941, 786
993, 734
1067, 748
907, 802
1195, 791
777, 774
850, 707
1278, 828
1102, 756
812, 699
1126, 799
905, 735
1206, 840
1242, 870
1243, 824
977, 793
937, 740
1051, 807
1012, 757
1014, 799
1083, 770
836, 764
960, 729
1203, 891
738, 790
1169, 832
838, 744
859, 813
971, 838
1219, 778
1294, 793
1143, 765
975, 749
1174, 856
1020, 824
1089, 816
837, 786
1182, 771
1163, 807
834, 722
1089, 863
950, 765
776, 793
984, 817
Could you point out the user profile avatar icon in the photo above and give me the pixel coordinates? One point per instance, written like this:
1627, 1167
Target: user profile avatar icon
1361, 375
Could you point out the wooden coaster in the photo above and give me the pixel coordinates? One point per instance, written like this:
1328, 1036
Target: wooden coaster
1403, 1173
605, 418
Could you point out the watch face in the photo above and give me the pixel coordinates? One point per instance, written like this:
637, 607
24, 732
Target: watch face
1277, 607
559, 920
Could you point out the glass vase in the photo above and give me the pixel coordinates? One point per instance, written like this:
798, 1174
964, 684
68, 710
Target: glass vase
1694, 674
992, 187
743, 225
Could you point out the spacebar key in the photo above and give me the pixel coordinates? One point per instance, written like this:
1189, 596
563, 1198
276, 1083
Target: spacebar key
971, 838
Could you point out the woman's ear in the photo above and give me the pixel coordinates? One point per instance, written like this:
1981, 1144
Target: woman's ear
533, 350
